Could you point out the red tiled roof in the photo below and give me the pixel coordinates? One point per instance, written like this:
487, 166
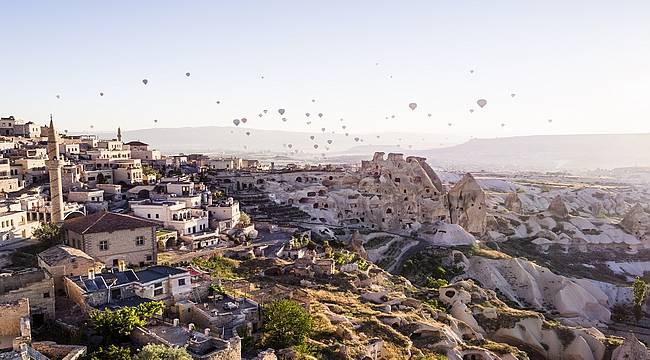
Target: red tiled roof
105, 222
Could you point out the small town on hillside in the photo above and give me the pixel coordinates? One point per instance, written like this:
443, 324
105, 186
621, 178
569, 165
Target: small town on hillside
109, 247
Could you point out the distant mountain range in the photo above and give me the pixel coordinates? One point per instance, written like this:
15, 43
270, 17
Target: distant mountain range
548, 152
215, 139
543, 152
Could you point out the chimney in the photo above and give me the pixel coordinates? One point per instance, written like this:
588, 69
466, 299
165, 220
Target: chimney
206, 332
91, 274
176, 321
121, 265
190, 327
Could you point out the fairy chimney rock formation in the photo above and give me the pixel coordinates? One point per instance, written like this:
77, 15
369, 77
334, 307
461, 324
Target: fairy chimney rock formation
467, 205
356, 245
513, 203
637, 221
558, 208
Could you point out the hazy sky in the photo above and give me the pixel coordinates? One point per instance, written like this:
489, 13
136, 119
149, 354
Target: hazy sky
584, 64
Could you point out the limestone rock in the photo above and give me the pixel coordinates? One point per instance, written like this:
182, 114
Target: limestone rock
637, 221
513, 202
356, 245
558, 208
467, 205
632, 348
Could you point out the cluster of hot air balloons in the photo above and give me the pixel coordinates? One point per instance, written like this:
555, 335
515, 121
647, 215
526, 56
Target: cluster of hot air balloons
413, 106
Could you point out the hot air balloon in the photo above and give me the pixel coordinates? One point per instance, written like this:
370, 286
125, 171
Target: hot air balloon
347, 134
315, 146
281, 111
392, 116
265, 111
101, 94
248, 133
356, 139
155, 120
92, 126
308, 122
413, 106
329, 142
471, 111
320, 115
550, 120
284, 119
187, 74
236, 122
377, 136
313, 100
290, 146
429, 115
260, 114
449, 124
512, 95
244, 120
312, 137
471, 71
502, 124
481, 102
343, 127
307, 114
322, 129
218, 102
58, 96
145, 81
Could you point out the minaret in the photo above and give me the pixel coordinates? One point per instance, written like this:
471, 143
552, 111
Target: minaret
119, 134
54, 164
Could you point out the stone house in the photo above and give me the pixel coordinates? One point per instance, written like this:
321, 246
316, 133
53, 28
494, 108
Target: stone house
60, 261
125, 287
200, 345
110, 237
33, 284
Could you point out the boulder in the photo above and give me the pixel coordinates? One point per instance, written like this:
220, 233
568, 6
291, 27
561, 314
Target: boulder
513, 202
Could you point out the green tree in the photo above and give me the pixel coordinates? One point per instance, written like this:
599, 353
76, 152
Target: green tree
162, 352
640, 292
111, 353
244, 219
286, 324
148, 170
49, 233
115, 325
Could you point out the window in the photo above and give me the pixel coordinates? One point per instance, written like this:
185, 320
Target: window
149, 258
139, 240
46, 295
158, 292
103, 245
148, 216
181, 282
157, 285
157, 216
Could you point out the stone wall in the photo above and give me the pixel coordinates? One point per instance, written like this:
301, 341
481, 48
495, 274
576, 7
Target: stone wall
13, 315
35, 285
